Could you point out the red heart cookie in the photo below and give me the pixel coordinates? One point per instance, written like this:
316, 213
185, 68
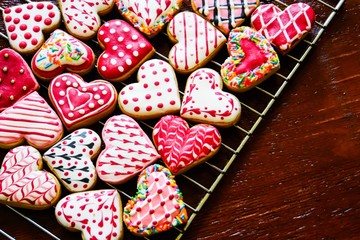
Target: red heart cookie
26, 23
30, 119
284, 29
128, 150
252, 60
79, 103
23, 183
96, 214
16, 78
182, 147
158, 205
218, 108
125, 49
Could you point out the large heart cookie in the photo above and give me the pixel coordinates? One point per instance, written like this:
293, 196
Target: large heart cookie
218, 108
96, 214
158, 204
16, 78
196, 42
284, 29
80, 104
71, 159
225, 14
156, 93
125, 49
181, 147
128, 150
149, 16
30, 119
252, 60
26, 23
23, 183
81, 17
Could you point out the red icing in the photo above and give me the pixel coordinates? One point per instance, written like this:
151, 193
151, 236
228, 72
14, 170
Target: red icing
253, 56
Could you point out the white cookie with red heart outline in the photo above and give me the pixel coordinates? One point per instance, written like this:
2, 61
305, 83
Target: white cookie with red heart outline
24, 184
156, 93
26, 24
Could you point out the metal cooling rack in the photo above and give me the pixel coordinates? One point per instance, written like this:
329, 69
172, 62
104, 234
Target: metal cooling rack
199, 183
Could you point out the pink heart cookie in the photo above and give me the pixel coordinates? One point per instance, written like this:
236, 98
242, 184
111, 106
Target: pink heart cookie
218, 108
96, 214
128, 150
181, 147
30, 119
71, 159
149, 16
196, 42
125, 50
225, 14
16, 78
23, 183
158, 205
156, 93
81, 17
284, 29
80, 104
26, 23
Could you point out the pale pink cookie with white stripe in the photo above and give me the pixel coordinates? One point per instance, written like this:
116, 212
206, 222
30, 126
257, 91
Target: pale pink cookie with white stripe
82, 18
196, 42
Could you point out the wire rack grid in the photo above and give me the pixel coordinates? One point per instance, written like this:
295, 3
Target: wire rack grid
199, 183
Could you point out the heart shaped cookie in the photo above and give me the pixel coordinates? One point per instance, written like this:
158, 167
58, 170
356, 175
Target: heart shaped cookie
80, 104
16, 78
26, 23
128, 150
125, 50
30, 119
23, 183
252, 60
225, 14
158, 204
181, 147
149, 16
196, 42
96, 214
62, 51
156, 93
218, 108
71, 159
284, 29
81, 17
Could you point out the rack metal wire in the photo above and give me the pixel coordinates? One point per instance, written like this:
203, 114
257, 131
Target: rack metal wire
199, 183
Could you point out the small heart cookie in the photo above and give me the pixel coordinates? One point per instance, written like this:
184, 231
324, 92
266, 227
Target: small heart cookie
158, 205
149, 16
128, 150
284, 29
23, 183
80, 104
30, 119
181, 147
96, 214
156, 93
252, 60
218, 108
60, 52
26, 23
71, 159
81, 17
16, 78
125, 50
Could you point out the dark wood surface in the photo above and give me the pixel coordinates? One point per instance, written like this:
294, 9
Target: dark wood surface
298, 176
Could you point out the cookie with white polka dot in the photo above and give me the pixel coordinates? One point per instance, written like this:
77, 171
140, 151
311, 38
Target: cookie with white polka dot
81, 104
125, 49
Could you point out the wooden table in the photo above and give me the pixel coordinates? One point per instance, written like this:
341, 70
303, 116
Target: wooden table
298, 176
